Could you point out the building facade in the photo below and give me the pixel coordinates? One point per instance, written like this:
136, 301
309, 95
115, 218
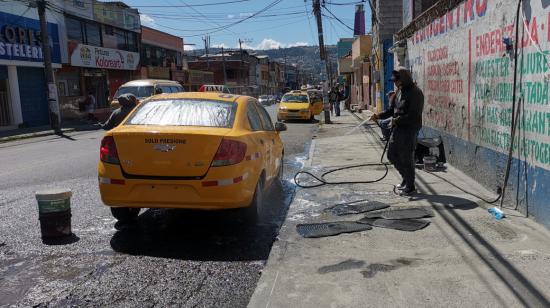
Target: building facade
161, 55
23, 88
103, 43
387, 19
463, 57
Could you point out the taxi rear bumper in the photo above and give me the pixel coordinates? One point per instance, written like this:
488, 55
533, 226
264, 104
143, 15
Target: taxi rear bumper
222, 188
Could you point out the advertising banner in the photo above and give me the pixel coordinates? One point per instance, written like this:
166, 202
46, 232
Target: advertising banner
106, 58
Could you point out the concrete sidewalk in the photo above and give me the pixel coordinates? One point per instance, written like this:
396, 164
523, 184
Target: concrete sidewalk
41, 131
464, 258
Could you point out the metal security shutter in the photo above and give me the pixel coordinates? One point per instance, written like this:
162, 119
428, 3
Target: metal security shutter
32, 90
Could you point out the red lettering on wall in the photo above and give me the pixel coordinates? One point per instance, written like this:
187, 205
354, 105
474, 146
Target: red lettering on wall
468, 10
481, 7
449, 20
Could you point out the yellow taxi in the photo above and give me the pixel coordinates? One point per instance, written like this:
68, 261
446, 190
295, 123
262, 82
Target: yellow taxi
195, 150
298, 105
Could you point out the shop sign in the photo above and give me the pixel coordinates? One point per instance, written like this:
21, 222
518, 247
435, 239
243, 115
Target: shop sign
20, 39
107, 58
111, 14
80, 8
158, 72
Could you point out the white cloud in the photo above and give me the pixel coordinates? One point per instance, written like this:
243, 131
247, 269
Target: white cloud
230, 16
220, 45
269, 43
146, 19
298, 44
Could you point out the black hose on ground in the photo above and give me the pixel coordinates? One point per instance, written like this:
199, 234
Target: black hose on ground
322, 181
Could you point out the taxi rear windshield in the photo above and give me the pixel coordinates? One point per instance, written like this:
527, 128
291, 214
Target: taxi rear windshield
295, 98
184, 112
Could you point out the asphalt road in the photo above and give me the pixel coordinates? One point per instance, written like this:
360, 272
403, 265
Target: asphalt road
170, 258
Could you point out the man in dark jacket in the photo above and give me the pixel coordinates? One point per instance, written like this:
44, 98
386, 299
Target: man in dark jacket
127, 103
406, 121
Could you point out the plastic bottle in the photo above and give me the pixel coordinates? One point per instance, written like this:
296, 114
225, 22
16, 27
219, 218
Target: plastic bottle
497, 213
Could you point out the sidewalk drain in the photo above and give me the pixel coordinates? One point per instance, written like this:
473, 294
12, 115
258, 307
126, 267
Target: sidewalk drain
408, 213
314, 230
397, 224
356, 207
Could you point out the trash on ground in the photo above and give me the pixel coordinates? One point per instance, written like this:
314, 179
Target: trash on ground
356, 207
397, 224
497, 213
314, 230
404, 213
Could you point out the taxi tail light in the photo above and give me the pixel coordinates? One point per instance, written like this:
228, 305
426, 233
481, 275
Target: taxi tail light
108, 152
230, 152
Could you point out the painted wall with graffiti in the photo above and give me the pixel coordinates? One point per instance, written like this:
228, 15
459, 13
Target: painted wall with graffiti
464, 63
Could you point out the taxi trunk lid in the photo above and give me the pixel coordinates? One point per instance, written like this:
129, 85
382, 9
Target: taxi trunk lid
182, 152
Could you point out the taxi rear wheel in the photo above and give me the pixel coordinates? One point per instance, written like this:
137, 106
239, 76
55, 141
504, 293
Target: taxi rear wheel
125, 214
252, 213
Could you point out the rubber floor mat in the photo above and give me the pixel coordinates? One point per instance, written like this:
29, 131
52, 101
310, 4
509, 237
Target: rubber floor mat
403, 213
314, 230
357, 208
397, 224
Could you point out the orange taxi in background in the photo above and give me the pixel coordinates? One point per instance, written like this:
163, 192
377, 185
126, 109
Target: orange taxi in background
207, 151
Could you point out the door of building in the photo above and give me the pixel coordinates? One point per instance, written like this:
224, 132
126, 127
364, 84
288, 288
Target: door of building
5, 105
95, 82
34, 97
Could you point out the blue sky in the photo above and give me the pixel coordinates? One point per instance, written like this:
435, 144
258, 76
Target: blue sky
284, 24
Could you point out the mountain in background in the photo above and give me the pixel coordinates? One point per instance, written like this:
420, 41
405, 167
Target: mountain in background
305, 57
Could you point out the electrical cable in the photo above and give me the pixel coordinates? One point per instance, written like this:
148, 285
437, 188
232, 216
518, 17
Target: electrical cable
514, 120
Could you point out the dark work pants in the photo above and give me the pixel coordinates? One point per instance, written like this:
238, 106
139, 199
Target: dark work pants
337, 108
401, 153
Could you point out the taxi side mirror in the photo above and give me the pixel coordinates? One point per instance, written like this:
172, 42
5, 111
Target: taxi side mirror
280, 127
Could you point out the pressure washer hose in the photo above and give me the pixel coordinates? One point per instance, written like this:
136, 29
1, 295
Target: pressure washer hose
322, 181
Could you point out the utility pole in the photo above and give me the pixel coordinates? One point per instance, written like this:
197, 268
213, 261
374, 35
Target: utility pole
206, 40
53, 102
323, 56
224, 72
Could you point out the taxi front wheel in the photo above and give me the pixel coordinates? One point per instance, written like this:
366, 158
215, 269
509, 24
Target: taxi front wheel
125, 214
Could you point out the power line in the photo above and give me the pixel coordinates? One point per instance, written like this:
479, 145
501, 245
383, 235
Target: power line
191, 5
337, 19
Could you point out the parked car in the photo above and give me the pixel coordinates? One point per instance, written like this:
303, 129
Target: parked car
194, 150
298, 105
145, 88
264, 100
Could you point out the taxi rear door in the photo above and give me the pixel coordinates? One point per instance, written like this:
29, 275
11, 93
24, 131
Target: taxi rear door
273, 147
259, 137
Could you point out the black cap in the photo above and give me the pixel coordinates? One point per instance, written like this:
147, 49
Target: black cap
394, 76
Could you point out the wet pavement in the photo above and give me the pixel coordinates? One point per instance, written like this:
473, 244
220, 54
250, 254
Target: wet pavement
169, 258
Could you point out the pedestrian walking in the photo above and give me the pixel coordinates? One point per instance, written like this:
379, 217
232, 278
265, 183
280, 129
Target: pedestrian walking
339, 98
333, 98
90, 105
406, 121
127, 103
